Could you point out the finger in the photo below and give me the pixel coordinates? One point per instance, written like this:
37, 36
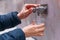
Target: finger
32, 5
39, 34
42, 34
41, 25
40, 30
29, 11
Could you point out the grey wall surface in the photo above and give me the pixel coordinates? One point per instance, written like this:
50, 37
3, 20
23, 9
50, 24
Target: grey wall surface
52, 31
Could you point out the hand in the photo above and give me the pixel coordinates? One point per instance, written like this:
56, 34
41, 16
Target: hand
26, 10
34, 30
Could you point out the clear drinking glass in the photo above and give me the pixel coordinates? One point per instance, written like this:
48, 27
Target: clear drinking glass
34, 16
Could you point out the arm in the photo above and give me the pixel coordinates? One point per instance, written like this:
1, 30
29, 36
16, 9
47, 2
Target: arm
12, 19
27, 31
9, 20
16, 34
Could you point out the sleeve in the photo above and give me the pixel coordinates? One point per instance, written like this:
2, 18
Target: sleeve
9, 20
16, 34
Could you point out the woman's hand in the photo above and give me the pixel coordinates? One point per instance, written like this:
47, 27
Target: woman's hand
34, 30
26, 10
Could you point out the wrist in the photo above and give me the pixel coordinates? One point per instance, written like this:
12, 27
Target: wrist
26, 33
18, 15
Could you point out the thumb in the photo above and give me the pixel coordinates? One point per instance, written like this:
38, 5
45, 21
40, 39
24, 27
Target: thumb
33, 22
30, 10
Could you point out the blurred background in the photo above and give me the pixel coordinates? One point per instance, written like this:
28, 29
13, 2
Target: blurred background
52, 31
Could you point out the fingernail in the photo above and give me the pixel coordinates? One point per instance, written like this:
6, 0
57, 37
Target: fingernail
42, 34
38, 5
31, 9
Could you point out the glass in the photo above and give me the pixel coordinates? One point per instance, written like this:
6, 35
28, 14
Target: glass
38, 18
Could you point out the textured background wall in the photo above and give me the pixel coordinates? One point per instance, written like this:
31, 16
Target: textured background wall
52, 31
